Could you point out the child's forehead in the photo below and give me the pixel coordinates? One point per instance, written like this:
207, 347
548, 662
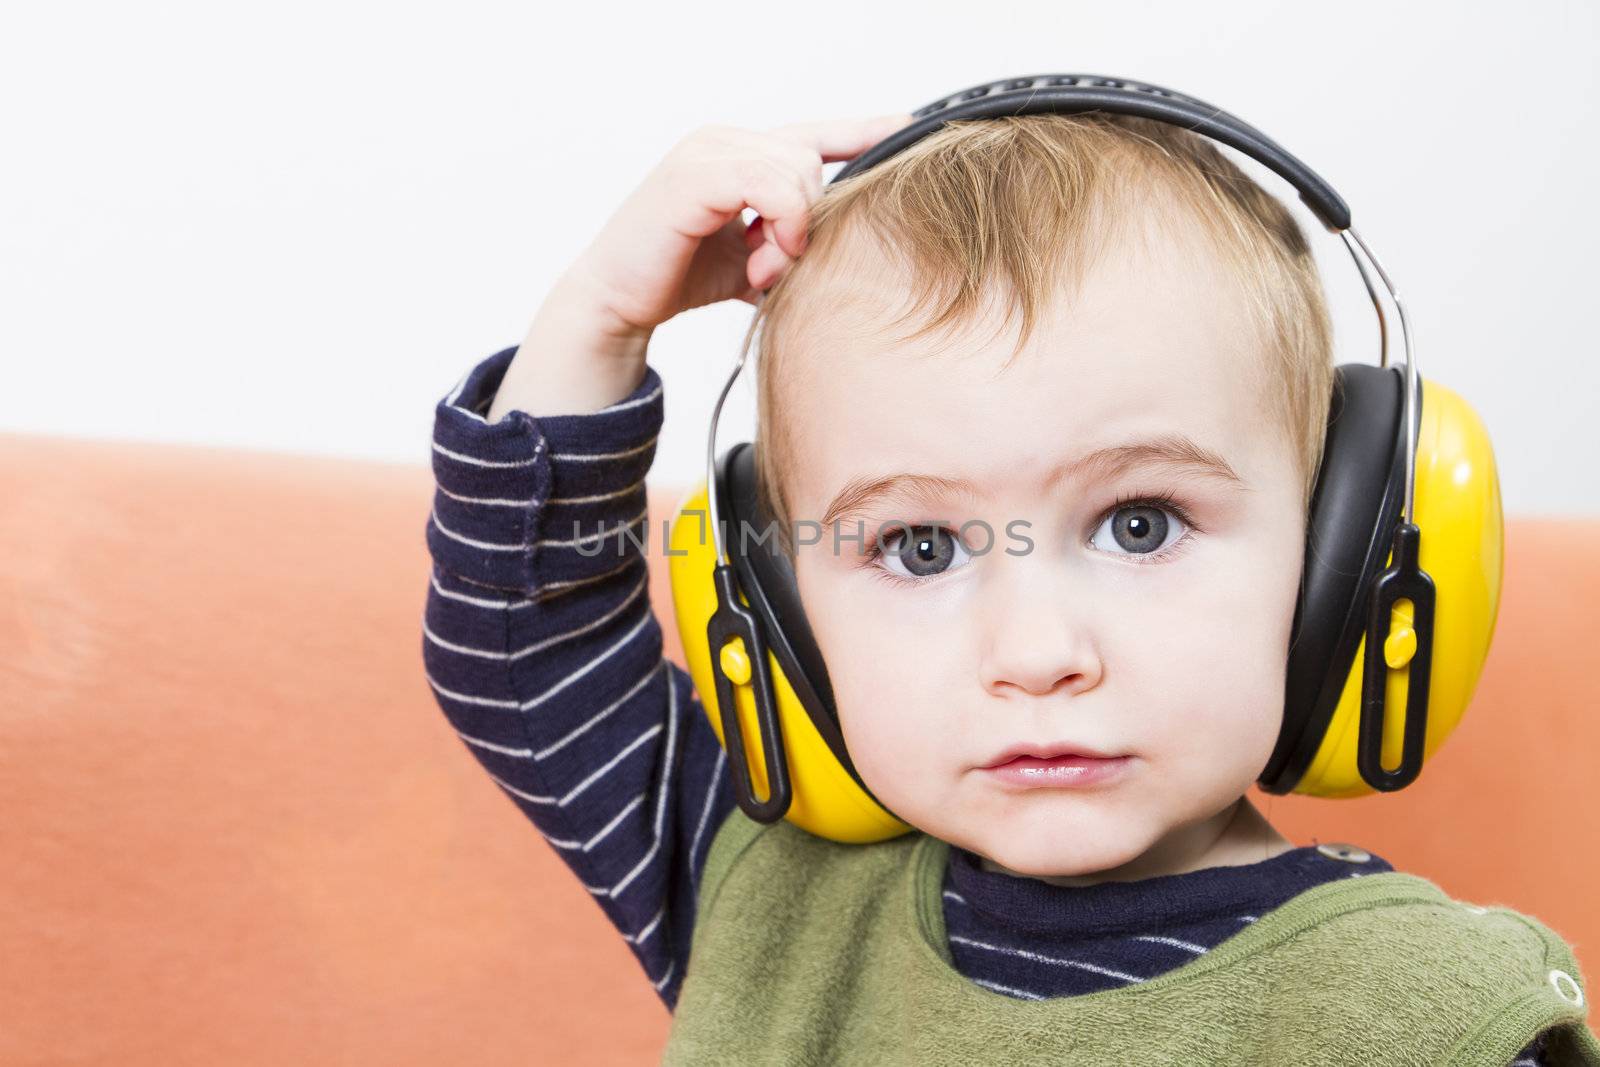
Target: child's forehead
1143, 310
863, 285
1143, 351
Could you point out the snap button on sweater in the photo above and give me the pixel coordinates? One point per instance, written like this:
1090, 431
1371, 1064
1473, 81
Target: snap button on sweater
1348, 853
1560, 980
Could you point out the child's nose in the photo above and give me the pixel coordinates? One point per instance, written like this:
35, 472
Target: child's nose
1037, 639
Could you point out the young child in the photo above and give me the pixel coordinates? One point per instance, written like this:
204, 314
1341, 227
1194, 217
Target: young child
1041, 912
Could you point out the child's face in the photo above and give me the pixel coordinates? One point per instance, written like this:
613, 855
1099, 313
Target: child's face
1177, 662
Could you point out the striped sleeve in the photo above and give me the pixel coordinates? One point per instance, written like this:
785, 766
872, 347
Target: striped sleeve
541, 649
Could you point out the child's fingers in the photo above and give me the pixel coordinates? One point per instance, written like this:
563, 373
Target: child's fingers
837, 139
767, 265
698, 191
770, 262
755, 234
763, 168
649, 246
813, 143
778, 195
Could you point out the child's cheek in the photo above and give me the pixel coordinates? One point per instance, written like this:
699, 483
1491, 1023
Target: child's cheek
892, 740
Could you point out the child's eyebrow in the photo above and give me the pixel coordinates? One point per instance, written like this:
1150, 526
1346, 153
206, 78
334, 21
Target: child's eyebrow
1174, 451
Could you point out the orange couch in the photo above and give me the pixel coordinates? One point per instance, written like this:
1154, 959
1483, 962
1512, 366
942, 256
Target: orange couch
237, 829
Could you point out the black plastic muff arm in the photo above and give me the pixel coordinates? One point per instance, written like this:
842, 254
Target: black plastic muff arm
734, 619
1404, 580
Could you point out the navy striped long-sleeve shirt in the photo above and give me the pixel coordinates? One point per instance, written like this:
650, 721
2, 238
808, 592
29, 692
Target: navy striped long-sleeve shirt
543, 653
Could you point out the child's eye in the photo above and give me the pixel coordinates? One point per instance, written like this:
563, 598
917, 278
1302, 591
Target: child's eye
928, 552
1144, 529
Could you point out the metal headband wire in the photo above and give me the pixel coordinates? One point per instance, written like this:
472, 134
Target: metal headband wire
715, 516
1352, 240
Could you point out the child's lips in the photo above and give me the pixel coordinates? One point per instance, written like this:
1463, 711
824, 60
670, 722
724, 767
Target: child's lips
1055, 772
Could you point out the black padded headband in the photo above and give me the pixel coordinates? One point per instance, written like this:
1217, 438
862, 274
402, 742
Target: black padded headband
1071, 93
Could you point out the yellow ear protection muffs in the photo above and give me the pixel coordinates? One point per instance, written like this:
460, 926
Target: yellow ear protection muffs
1390, 631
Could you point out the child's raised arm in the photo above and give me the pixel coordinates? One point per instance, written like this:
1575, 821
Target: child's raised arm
539, 641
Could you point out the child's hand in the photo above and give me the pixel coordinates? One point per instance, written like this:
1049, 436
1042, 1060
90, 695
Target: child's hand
678, 242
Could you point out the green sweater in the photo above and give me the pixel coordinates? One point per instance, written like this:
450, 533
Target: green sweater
807, 951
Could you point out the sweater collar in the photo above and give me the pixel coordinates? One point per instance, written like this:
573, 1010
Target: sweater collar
1160, 902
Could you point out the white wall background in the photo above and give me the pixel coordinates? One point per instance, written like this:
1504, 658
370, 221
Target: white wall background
293, 226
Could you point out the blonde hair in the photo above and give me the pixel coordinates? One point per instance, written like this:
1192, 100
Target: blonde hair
1017, 207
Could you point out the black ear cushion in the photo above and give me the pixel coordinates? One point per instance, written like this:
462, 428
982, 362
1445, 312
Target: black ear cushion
768, 582
1349, 531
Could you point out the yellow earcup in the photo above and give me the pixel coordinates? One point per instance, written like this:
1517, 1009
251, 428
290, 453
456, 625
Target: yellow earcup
1458, 510
826, 799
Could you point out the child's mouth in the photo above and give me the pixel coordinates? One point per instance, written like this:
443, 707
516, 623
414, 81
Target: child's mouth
1033, 772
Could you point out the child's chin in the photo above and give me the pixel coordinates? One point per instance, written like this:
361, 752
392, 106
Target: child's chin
1041, 861
1040, 847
